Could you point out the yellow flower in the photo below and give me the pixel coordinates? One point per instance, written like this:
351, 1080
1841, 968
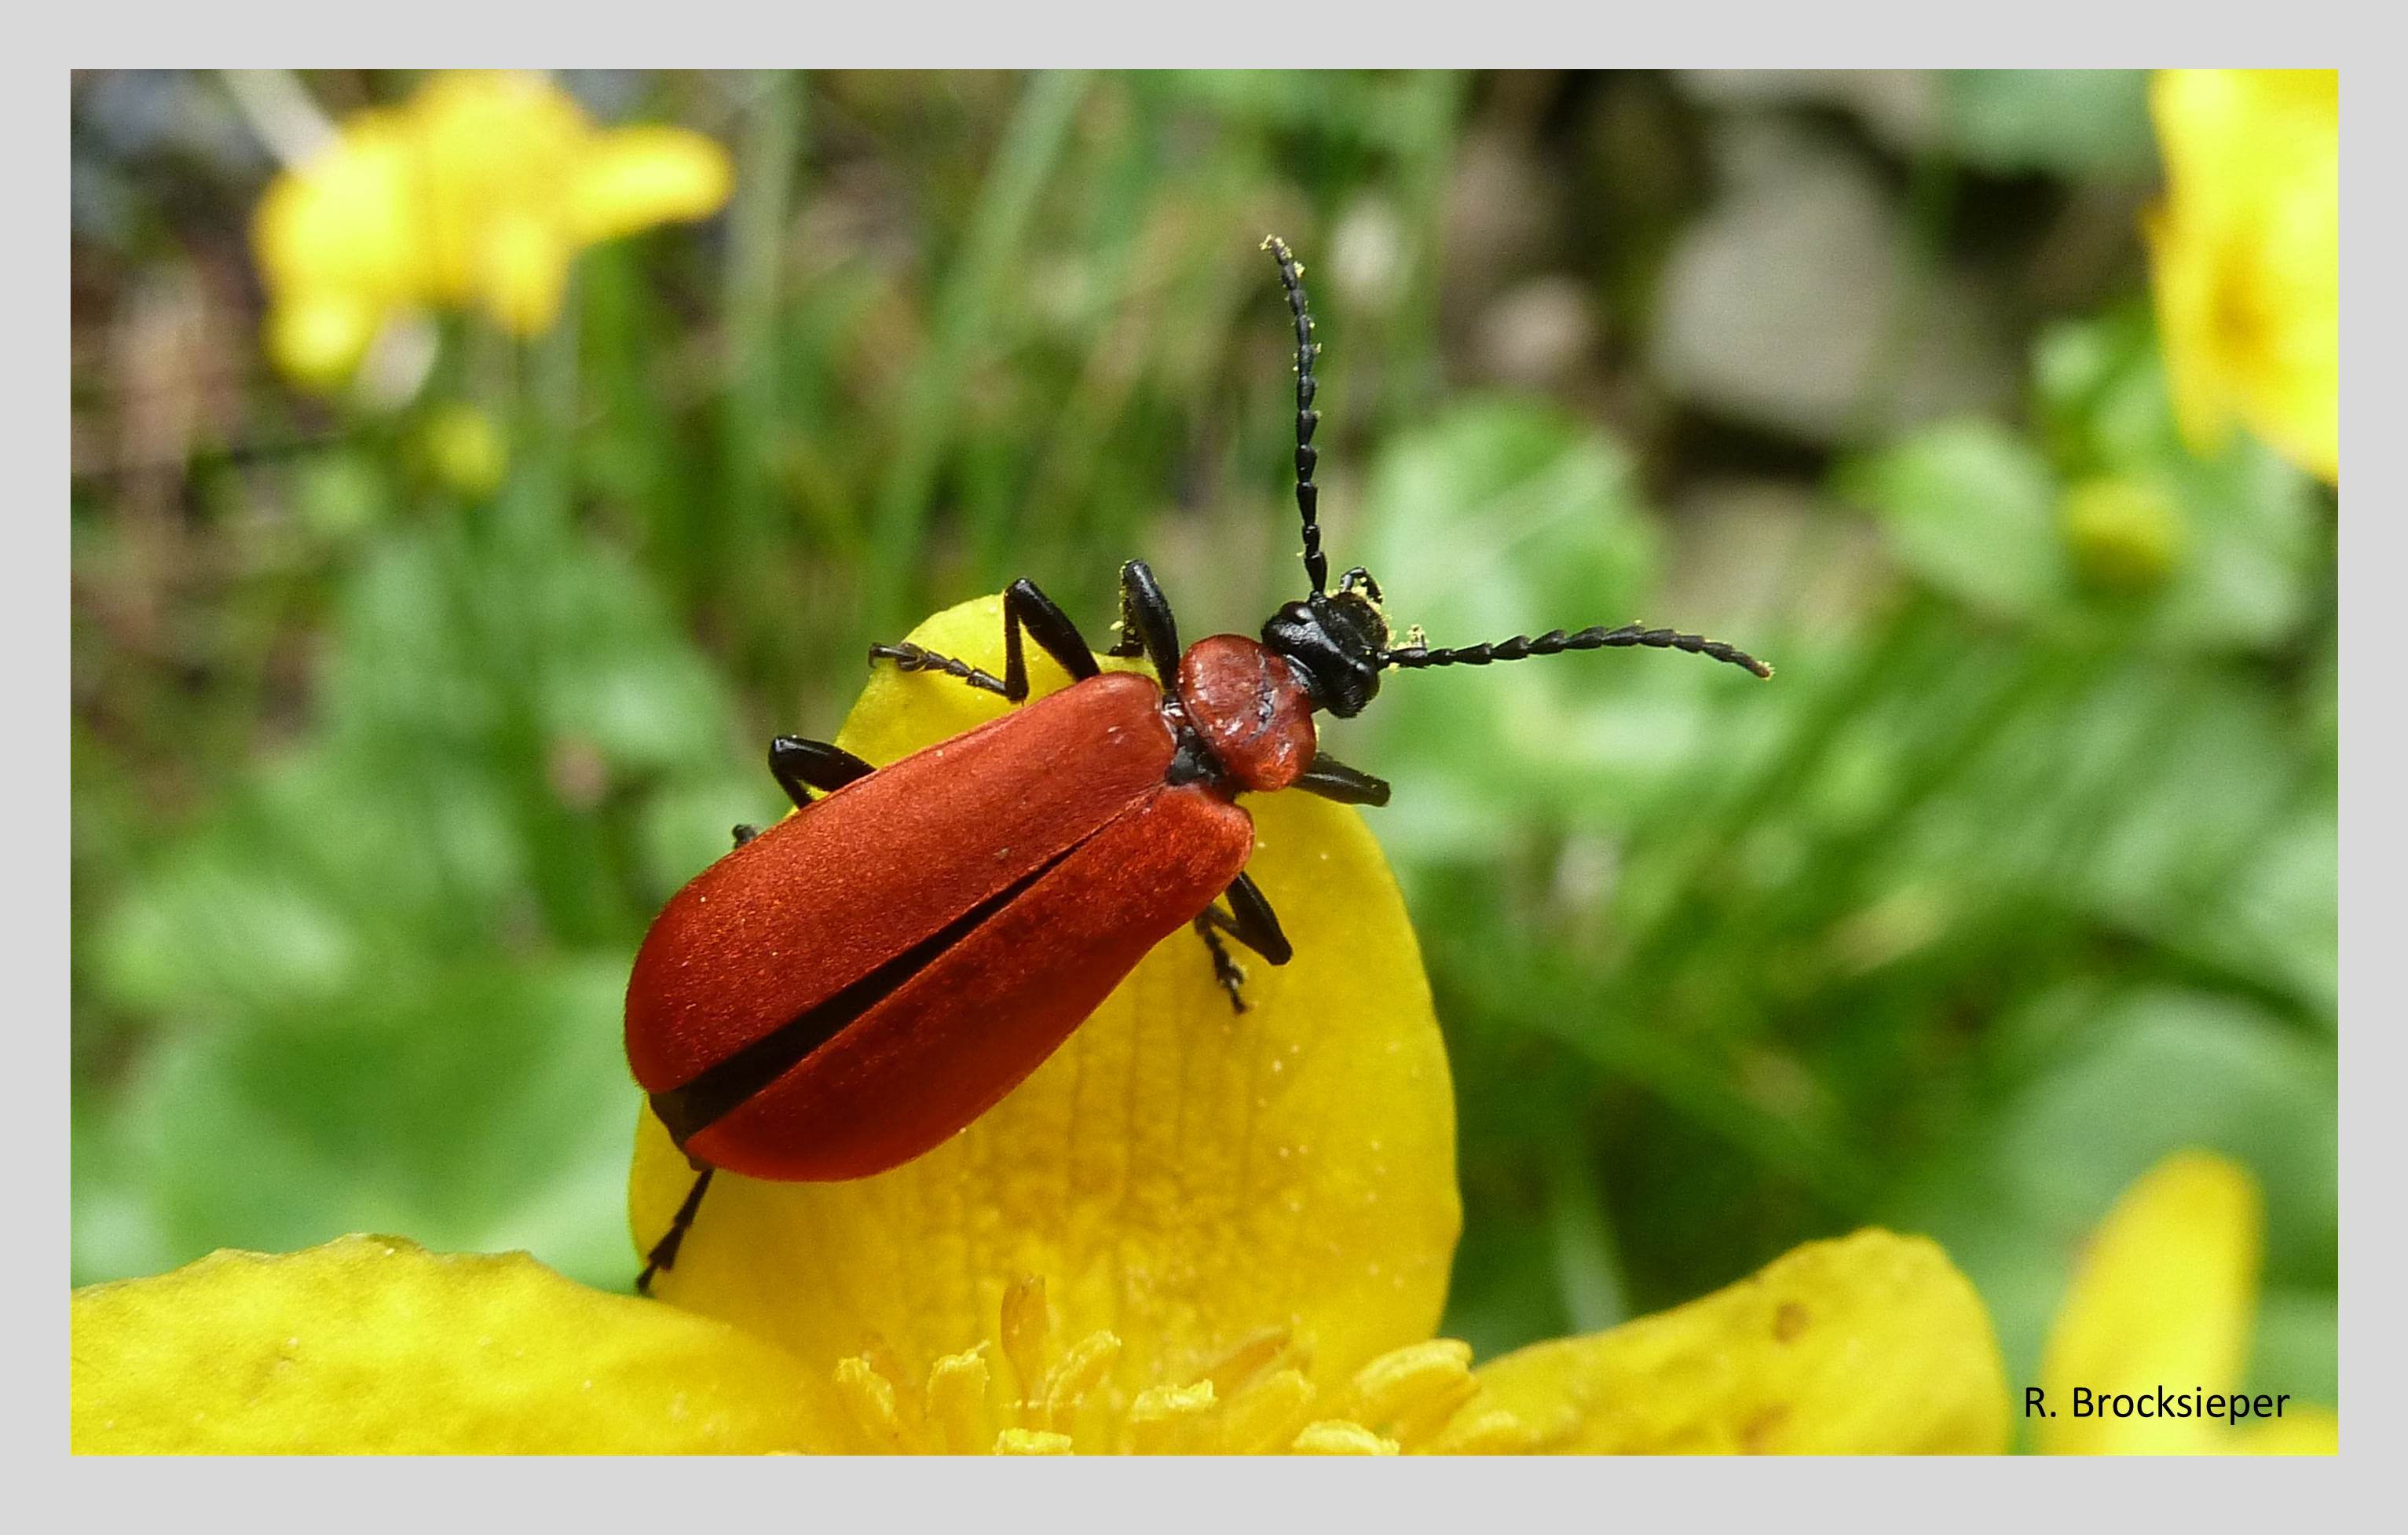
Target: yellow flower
2161, 1306
478, 193
2246, 248
1190, 1230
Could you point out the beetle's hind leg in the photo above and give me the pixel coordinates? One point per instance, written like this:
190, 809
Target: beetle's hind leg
665, 1252
909, 657
1025, 610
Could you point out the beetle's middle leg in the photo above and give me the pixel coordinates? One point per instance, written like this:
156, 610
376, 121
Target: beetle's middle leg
1147, 627
1026, 608
1252, 922
1227, 971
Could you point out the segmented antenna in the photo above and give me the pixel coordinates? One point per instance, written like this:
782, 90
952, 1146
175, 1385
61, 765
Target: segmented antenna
1556, 642
1308, 496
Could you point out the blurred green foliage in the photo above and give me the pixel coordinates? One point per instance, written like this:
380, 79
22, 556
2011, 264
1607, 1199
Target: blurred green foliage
2020, 875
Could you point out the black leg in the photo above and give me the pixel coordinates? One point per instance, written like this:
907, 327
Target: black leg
1225, 969
744, 832
909, 657
1023, 608
1147, 627
1026, 608
1255, 924
801, 766
1333, 779
665, 1252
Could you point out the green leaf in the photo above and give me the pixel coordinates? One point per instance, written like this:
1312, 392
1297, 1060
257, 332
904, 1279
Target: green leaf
1971, 509
387, 975
2115, 535
2120, 1085
1501, 517
340, 493
2075, 123
473, 1110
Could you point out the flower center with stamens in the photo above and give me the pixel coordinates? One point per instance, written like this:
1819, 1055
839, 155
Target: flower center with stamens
1257, 1398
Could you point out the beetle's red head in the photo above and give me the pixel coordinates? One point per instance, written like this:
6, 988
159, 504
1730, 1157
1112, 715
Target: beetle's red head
1337, 644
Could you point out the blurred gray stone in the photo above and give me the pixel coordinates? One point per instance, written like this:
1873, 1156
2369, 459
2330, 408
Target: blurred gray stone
1539, 333
1497, 211
1904, 109
1790, 302
1367, 254
1753, 553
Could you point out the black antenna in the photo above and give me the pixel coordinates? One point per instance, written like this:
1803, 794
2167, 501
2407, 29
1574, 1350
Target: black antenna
1554, 641
1308, 496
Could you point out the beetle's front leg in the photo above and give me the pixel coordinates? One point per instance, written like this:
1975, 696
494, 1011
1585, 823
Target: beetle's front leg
1333, 779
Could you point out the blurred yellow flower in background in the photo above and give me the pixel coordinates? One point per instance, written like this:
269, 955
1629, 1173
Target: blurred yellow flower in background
2164, 1298
1189, 1231
476, 193
2247, 251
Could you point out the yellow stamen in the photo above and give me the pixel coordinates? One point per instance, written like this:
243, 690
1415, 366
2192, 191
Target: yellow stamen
1027, 1324
1268, 1415
1415, 1390
1337, 1436
1172, 1420
957, 1401
1254, 1398
911, 1408
870, 1398
1238, 1368
1080, 1371
1489, 1431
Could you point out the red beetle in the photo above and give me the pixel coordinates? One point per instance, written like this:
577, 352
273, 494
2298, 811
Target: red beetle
853, 986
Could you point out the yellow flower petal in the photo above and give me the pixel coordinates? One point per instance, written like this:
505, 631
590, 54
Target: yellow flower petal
374, 1344
2247, 251
2164, 1298
2301, 1430
481, 190
635, 178
1869, 1344
521, 271
1180, 1176
496, 154
345, 221
339, 248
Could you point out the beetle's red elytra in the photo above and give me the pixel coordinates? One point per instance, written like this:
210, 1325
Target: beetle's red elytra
851, 988
1080, 859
